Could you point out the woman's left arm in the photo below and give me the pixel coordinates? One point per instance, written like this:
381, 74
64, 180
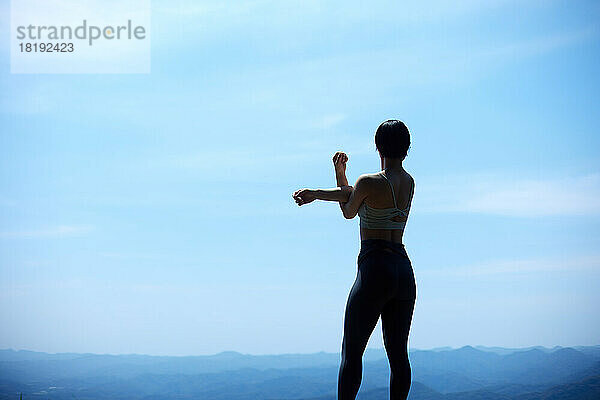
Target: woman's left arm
350, 198
305, 196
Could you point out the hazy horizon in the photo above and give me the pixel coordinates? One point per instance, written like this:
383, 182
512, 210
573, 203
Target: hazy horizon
152, 214
370, 351
465, 373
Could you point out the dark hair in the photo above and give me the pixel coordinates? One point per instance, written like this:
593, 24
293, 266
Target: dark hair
392, 139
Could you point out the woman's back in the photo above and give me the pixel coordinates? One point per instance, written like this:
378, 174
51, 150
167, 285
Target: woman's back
385, 210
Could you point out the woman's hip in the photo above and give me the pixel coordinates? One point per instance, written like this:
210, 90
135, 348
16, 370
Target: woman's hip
395, 251
385, 267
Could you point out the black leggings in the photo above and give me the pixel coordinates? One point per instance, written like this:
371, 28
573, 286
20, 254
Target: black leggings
384, 285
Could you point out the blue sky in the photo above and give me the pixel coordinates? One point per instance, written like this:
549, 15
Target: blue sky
153, 213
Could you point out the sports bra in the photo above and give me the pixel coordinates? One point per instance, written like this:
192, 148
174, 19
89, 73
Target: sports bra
382, 218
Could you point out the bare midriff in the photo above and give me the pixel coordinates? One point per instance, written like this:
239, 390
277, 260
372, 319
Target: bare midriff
392, 235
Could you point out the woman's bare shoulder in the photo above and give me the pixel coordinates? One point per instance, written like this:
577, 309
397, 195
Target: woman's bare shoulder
371, 177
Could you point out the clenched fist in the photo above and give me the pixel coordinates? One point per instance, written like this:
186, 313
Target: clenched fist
304, 196
339, 161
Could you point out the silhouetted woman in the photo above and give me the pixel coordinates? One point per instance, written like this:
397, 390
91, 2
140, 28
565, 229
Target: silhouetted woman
385, 284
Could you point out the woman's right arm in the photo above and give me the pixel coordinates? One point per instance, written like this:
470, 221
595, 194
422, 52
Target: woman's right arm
350, 198
339, 194
339, 164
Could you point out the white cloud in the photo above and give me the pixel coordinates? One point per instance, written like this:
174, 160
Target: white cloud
282, 13
489, 194
131, 256
522, 266
57, 231
536, 45
6, 202
328, 121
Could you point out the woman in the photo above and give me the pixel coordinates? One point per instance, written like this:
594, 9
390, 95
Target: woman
385, 284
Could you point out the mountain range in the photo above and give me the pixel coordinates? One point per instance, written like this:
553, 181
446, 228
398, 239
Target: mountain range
467, 373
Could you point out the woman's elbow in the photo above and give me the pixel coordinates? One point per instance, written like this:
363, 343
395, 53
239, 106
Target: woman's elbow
348, 215
347, 192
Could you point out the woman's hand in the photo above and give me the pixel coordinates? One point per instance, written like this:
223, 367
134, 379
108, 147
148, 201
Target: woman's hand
304, 196
339, 162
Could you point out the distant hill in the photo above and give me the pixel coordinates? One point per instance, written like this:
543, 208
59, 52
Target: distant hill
418, 391
588, 389
504, 351
466, 373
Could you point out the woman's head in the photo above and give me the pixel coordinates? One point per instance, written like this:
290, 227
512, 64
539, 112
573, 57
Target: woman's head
392, 139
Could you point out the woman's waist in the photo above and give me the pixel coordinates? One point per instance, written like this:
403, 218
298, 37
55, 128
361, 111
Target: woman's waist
388, 235
383, 251
367, 244
377, 241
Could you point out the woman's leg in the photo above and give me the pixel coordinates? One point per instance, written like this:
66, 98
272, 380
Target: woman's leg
396, 318
362, 313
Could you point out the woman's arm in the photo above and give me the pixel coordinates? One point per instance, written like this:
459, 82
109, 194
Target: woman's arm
350, 198
339, 164
358, 194
305, 196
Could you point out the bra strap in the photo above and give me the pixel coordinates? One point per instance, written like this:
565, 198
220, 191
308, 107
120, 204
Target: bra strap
412, 192
391, 187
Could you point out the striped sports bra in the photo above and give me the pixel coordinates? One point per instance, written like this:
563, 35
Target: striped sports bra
382, 218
